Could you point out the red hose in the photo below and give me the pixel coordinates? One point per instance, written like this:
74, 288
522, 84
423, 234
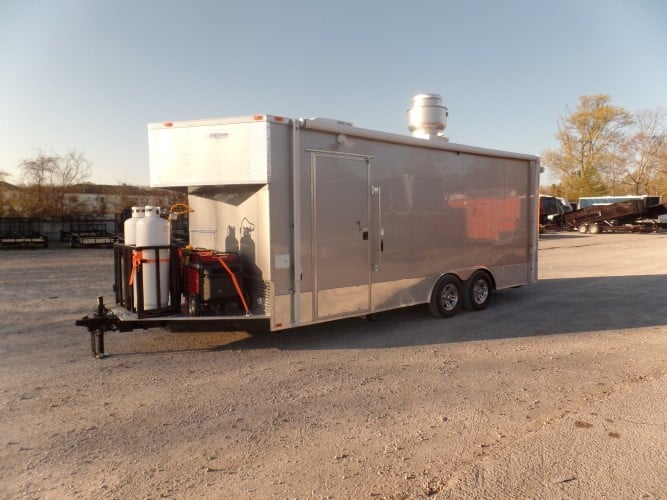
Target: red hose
236, 283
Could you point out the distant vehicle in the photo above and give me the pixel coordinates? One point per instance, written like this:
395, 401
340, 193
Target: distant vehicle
588, 201
552, 210
549, 206
628, 215
567, 206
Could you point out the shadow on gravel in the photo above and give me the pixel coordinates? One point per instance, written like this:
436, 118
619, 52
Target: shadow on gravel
559, 236
550, 307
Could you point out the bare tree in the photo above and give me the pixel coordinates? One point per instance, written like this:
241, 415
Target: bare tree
3, 194
613, 171
38, 175
125, 198
662, 174
73, 168
644, 152
47, 179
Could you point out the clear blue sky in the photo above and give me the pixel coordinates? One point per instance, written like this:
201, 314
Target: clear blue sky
90, 74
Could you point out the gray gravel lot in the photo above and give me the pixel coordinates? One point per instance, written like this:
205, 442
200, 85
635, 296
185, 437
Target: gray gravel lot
557, 390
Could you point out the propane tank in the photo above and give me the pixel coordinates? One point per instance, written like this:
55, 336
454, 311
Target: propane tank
130, 226
152, 230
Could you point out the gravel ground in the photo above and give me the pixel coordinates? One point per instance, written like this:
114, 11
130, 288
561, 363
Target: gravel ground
557, 390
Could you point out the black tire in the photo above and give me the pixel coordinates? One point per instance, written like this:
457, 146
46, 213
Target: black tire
446, 298
194, 305
477, 291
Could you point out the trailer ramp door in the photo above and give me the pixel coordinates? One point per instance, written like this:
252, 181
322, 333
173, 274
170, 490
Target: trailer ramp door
341, 239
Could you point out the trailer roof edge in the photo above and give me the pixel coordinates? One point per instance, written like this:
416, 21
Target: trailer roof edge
337, 127
341, 127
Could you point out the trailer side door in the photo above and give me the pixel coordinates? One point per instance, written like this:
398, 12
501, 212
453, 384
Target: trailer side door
341, 239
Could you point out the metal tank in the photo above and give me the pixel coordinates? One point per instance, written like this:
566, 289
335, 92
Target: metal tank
427, 117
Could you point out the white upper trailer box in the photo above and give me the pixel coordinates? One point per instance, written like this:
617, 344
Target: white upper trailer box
332, 221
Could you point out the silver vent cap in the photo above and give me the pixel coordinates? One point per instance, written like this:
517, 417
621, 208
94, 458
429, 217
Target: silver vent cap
427, 117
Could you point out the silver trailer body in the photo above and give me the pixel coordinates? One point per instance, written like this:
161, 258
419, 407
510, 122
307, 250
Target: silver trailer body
333, 221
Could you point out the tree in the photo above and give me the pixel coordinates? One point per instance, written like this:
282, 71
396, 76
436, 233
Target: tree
47, 180
662, 176
644, 152
3, 194
73, 168
614, 172
125, 198
587, 138
36, 198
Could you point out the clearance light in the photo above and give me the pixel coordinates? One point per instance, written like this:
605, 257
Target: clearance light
168, 124
258, 118
279, 119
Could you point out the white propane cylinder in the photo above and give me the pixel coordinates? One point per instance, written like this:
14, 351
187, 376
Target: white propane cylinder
130, 226
152, 230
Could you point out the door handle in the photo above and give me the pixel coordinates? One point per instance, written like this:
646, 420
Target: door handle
378, 229
363, 230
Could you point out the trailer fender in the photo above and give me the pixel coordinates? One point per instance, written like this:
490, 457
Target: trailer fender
465, 274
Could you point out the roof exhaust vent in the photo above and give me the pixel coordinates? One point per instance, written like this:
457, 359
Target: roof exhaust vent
427, 117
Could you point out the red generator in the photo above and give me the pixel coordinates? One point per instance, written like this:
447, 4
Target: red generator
212, 283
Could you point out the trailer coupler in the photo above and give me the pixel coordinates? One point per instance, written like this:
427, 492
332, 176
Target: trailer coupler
103, 320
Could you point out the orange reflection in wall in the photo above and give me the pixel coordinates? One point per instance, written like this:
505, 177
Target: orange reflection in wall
489, 219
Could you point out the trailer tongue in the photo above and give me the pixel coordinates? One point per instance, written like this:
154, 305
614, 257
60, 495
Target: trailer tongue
297, 222
209, 282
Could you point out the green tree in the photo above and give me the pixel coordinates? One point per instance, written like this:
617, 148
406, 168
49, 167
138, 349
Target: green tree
587, 140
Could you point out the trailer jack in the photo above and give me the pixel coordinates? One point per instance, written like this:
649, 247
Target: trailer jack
103, 320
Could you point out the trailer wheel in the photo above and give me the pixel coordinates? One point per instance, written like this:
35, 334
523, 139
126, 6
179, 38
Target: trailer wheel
446, 297
477, 291
583, 228
594, 228
194, 305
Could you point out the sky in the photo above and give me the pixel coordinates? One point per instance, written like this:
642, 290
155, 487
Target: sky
89, 75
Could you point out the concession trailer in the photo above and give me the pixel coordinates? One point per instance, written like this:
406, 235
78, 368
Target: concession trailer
327, 221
